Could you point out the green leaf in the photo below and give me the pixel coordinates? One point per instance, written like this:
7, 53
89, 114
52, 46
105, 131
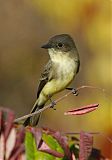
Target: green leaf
52, 143
31, 151
29, 146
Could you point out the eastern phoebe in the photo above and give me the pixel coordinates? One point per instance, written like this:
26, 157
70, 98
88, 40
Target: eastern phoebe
58, 73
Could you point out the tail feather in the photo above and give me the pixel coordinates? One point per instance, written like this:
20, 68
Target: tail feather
33, 121
26, 122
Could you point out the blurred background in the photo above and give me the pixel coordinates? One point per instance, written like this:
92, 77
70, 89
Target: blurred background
24, 26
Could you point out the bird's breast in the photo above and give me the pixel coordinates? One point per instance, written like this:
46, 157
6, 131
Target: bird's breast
64, 71
64, 68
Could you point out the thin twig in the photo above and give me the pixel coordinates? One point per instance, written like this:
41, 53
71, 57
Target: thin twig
56, 101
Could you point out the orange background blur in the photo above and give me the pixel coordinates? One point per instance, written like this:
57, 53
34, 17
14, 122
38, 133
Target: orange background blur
24, 26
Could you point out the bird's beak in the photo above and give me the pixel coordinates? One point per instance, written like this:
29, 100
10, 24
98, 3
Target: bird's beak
46, 46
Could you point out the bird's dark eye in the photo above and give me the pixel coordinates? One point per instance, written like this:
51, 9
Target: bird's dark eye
60, 45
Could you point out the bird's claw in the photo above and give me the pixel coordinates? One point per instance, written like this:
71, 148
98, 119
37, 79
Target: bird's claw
74, 91
53, 103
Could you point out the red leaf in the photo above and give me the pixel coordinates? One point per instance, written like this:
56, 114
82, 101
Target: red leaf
2, 125
37, 132
82, 110
18, 153
20, 137
18, 148
86, 143
2, 146
5, 129
0, 121
45, 148
11, 145
9, 124
6, 121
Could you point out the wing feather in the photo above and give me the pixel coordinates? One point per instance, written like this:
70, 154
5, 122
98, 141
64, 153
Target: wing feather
78, 66
45, 76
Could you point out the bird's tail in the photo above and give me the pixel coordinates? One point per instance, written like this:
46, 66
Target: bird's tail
33, 121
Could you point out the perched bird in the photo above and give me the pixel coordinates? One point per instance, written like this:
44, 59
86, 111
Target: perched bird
60, 70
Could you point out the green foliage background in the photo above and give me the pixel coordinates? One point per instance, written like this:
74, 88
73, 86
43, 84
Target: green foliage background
24, 26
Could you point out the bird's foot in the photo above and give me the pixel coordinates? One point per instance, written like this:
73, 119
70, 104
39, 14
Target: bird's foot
74, 91
53, 103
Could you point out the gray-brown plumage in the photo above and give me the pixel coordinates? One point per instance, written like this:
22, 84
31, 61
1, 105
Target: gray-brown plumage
58, 73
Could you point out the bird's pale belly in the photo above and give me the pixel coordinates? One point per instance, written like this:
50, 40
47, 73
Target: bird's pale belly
54, 86
57, 85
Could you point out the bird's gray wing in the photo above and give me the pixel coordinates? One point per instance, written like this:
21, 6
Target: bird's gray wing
45, 77
78, 66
